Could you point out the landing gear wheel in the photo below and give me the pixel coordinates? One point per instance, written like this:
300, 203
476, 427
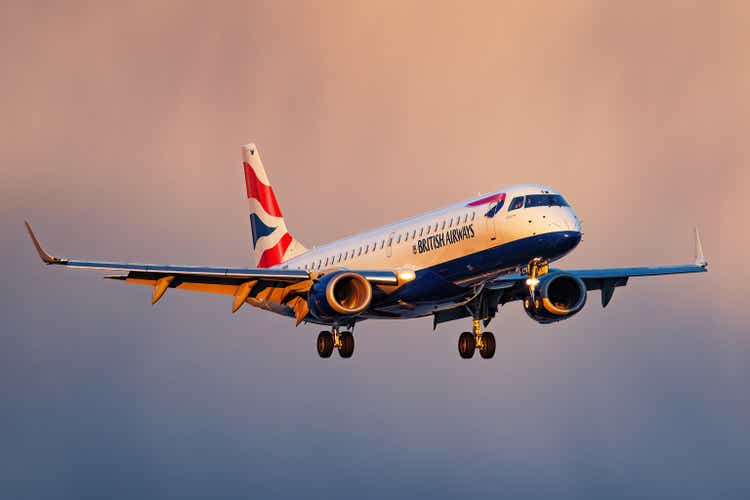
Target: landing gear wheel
325, 344
346, 349
466, 345
487, 349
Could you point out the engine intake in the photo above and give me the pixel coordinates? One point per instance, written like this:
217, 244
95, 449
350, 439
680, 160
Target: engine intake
558, 296
340, 294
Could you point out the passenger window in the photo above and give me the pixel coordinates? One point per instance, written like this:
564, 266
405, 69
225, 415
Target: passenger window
466, 217
382, 244
398, 240
436, 226
516, 203
473, 215
326, 261
443, 226
359, 252
450, 222
414, 234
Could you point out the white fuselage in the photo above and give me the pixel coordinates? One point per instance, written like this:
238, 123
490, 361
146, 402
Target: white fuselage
444, 235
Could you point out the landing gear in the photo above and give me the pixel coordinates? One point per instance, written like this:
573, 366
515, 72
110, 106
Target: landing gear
466, 345
325, 344
487, 346
346, 347
328, 341
484, 342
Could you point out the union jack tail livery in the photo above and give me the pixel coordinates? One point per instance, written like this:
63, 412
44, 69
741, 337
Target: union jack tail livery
272, 243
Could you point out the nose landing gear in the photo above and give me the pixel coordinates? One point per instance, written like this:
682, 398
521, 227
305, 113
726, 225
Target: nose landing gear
328, 341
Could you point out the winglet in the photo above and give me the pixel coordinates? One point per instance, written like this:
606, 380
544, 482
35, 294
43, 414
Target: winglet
700, 259
47, 258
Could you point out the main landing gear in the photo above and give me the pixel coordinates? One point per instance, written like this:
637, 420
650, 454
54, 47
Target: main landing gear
343, 341
468, 342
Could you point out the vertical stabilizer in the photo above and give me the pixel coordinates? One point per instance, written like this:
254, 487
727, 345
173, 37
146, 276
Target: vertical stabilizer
271, 242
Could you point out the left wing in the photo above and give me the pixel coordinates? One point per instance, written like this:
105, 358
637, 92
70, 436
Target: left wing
258, 286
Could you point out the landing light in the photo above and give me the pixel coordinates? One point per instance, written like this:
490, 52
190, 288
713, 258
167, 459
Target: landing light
406, 275
532, 282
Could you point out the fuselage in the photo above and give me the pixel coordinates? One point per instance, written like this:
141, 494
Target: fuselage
470, 241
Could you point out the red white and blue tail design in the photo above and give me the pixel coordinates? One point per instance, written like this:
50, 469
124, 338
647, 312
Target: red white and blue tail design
272, 243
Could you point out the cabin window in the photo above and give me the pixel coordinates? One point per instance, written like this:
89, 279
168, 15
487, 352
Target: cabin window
414, 234
421, 231
398, 240
473, 215
326, 261
451, 222
443, 226
466, 217
436, 226
390, 240
359, 252
382, 244
516, 203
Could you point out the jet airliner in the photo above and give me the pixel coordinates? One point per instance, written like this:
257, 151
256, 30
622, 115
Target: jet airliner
462, 261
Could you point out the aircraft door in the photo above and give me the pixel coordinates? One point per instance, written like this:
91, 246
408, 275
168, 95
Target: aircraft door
389, 244
489, 215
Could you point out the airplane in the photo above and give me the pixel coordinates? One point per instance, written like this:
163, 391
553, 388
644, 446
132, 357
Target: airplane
462, 261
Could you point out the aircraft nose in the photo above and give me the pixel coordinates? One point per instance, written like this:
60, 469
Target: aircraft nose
571, 222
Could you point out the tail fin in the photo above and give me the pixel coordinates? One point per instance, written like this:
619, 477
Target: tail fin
272, 243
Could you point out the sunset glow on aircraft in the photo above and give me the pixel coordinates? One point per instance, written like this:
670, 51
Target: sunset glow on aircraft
462, 261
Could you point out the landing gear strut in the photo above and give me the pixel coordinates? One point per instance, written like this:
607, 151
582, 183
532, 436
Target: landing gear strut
343, 341
483, 341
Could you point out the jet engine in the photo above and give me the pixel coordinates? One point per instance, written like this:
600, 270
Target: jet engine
339, 294
556, 297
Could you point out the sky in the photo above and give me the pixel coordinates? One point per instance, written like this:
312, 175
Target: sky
120, 140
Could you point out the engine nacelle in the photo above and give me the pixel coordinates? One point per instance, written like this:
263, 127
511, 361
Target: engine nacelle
339, 294
558, 296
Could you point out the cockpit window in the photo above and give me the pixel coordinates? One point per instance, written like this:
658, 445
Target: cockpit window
545, 200
516, 203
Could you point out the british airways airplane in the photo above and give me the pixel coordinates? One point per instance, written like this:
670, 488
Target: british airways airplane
461, 261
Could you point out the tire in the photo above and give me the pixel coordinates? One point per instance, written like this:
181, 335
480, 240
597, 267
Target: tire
466, 345
488, 345
347, 345
325, 344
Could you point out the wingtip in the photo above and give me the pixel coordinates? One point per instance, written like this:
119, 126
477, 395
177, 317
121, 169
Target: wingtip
700, 259
46, 257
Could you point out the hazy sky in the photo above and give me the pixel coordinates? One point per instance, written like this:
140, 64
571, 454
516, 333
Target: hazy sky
120, 139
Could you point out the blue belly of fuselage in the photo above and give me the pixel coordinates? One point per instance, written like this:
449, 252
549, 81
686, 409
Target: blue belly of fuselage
451, 280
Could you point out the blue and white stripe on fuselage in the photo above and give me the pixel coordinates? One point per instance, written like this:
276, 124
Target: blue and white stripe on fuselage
469, 241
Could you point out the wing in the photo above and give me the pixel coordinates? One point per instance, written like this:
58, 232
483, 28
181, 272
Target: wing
261, 287
513, 287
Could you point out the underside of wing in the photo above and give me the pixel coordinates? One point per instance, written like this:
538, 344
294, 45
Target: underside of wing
280, 290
